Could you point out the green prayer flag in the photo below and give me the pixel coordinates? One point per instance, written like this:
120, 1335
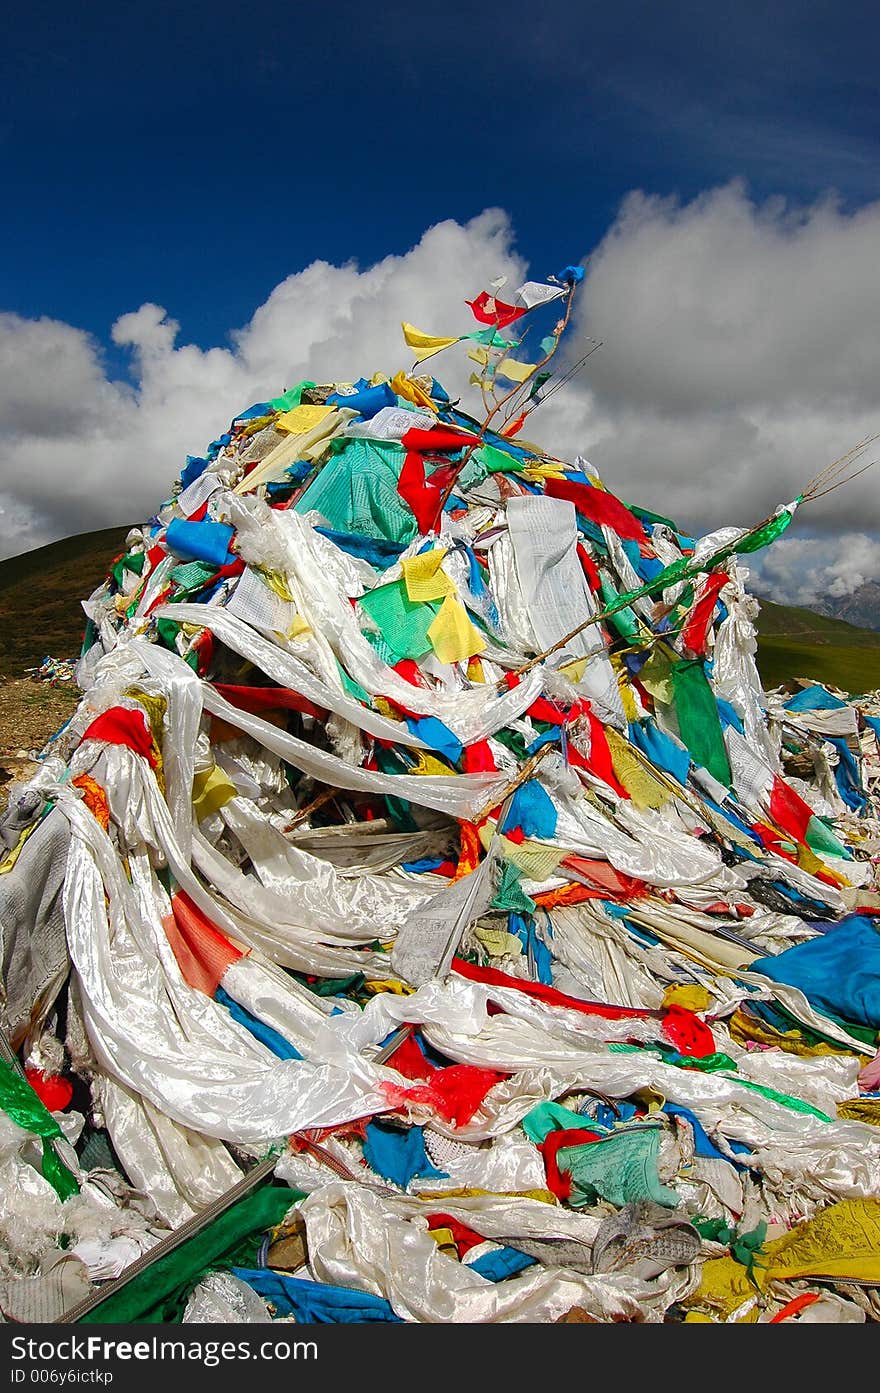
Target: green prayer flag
19, 1101
698, 719
159, 1294
403, 622
684, 568
510, 894
763, 536
540, 379
621, 1168
796, 1104
291, 398
498, 461
623, 619
356, 491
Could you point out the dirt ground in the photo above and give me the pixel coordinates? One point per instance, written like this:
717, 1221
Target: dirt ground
30, 712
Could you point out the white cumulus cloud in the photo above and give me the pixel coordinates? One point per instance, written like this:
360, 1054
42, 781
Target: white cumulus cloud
800, 570
741, 354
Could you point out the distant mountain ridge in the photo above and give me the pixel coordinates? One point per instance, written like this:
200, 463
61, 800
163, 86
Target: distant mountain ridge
861, 608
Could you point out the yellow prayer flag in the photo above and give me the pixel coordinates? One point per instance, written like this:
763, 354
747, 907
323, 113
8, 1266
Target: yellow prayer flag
429, 764
477, 381
405, 387
302, 418
423, 577
479, 355
644, 790
452, 634
574, 671
841, 1241
424, 345
514, 370
689, 995
210, 790
375, 987
498, 943
299, 628
536, 860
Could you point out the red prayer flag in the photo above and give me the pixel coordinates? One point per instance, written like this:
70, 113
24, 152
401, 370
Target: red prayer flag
599, 506
487, 310
491, 977
697, 626
256, 700
119, 726
788, 810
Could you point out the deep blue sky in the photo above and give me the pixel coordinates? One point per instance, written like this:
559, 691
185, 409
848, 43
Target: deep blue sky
195, 154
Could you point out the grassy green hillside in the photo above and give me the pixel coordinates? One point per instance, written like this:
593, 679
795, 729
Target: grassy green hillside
40, 592
798, 643
40, 614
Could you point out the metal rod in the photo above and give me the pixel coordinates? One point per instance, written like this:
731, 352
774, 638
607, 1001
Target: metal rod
187, 1230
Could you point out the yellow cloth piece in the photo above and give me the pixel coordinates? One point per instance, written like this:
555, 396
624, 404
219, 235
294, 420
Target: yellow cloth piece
840, 1242
308, 444
688, 995
860, 1110
11, 857
471, 1193
384, 707
210, 790
444, 1239
537, 860
423, 577
575, 671
725, 1284
656, 677
810, 862
479, 355
276, 582
536, 473
258, 424
476, 380
475, 670
424, 345
302, 418
155, 708
299, 628
375, 987
430, 764
515, 371
744, 1028
652, 1098
452, 635
630, 710
406, 387
644, 790
498, 943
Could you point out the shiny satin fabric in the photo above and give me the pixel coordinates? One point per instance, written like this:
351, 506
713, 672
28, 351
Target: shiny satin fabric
380, 1244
